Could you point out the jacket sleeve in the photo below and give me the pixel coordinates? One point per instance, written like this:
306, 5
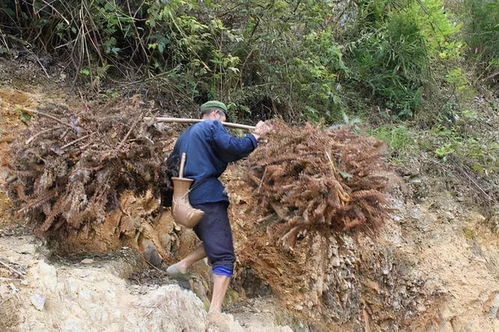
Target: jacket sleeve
232, 148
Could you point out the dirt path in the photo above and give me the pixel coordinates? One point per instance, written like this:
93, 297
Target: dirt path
95, 294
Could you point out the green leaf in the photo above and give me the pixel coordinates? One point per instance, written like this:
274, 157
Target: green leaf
85, 71
345, 175
25, 117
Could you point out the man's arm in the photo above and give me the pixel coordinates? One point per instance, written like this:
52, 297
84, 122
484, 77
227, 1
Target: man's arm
232, 148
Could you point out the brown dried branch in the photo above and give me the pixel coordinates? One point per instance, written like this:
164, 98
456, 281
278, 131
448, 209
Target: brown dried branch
19, 273
51, 117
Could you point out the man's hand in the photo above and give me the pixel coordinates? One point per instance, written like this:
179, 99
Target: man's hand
261, 129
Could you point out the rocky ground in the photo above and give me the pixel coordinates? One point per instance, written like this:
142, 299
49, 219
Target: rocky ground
102, 293
434, 265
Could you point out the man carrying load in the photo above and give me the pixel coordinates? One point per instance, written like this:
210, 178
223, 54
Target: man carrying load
209, 148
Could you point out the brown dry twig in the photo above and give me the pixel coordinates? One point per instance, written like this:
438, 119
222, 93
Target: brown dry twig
19, 273
51, 117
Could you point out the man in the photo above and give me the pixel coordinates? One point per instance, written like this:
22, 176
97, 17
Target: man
209, 148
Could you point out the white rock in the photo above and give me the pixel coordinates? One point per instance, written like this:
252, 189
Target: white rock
38, 300
336, 262
46, 275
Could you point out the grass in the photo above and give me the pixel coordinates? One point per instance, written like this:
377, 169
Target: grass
398, 137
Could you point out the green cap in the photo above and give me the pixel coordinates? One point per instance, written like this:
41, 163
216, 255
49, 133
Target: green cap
214, 104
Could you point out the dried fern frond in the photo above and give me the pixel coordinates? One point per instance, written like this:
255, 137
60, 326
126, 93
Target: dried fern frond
72, 172
313, 177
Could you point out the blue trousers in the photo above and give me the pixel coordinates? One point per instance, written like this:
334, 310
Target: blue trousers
215, 232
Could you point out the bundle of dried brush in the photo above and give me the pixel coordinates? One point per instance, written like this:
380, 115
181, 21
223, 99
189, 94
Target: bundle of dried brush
71, 166
315, 178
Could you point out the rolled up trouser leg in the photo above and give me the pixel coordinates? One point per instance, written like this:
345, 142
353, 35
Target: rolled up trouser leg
215, 232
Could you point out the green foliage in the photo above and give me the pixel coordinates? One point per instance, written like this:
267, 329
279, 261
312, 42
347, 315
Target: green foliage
399, 137
398, 45
391, 62
290, 57
300, 59
457, 79
448, 141
479, 153
439, 29
460, 84
23, 115
445, 150
250, 53
85, 71
482, 33
483, 155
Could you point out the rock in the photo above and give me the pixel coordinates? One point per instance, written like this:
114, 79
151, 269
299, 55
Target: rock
46, 275
87, 261
416, 180
38, 300
494, 307
335, 262
421, 307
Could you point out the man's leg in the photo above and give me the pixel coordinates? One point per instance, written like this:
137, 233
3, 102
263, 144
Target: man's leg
214, 230
220, 286
183, 265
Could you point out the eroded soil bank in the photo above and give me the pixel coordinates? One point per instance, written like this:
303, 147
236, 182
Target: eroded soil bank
435, 266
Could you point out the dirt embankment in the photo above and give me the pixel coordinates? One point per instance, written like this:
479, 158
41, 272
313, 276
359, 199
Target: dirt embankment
11, 102
23, 87
434, 266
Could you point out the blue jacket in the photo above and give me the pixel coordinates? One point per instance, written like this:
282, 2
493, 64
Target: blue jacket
209, 148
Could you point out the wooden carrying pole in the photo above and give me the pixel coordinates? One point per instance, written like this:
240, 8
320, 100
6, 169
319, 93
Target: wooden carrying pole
185, 120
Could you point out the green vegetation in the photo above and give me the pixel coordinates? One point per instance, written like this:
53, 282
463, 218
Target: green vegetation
482, 35
384, 61
469, 149
399, 138
296, 58
397, 46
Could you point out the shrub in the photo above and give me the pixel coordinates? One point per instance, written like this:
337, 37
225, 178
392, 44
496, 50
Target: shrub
298, 59
397, 48
481, 32
399, 137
